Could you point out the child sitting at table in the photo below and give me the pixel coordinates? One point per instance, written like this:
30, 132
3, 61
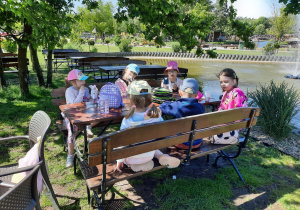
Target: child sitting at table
171, 81
129, 74
143, 111
233, 96
187, 105
76, 93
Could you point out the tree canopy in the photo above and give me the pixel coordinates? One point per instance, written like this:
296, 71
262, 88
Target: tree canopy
100, 18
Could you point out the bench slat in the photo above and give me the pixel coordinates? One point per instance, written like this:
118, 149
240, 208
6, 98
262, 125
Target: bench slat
171, 127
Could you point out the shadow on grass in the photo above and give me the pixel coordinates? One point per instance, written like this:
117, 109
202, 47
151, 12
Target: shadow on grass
271, 179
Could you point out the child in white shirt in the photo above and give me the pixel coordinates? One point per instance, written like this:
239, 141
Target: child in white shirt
143, 111
171, 82
77, 93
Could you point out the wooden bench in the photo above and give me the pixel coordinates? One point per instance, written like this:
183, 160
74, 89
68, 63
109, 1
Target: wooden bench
87, 60
147, 74
103, 151
10, 60
60, 56
231, 46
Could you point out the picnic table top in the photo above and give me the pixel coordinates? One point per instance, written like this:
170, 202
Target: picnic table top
83, 114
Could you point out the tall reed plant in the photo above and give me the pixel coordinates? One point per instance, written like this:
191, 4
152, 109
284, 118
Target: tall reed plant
278, 103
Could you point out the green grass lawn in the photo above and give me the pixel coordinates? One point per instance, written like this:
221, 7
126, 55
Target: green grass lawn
265, 169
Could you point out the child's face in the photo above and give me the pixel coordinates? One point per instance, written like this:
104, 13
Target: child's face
129, 75
172, 74
227, 83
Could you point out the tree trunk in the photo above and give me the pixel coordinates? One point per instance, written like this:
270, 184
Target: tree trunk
36, 66
2, 78
49, 68
23, 69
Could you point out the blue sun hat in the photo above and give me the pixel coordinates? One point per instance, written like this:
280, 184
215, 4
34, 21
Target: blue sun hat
133, 68
190, 83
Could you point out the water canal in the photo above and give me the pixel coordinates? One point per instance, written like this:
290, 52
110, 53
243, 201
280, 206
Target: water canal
251, 74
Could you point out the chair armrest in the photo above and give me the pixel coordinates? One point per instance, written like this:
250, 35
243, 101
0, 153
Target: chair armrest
13, 138
19, 170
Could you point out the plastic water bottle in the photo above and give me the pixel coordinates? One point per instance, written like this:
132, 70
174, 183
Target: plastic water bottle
103, 105
166, 83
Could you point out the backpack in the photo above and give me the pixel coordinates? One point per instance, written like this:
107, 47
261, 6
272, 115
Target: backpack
111, 91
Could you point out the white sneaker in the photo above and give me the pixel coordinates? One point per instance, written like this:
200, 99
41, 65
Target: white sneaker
70, 161
89, 132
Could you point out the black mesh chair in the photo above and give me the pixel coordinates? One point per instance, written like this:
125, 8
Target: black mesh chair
23, 195
38, 126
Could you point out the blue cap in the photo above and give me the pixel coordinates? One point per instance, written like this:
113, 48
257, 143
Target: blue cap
133, 68
190, 83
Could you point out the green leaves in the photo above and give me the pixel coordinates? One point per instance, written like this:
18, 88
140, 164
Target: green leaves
278, 104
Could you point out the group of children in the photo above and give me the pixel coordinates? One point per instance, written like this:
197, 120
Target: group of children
144, 111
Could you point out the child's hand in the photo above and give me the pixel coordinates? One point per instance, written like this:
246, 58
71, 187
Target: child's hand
82, 88
119, 166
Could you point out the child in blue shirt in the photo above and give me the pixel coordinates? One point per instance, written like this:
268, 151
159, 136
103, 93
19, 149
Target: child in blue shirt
187, 105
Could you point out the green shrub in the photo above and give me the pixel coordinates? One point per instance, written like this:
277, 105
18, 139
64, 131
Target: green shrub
270, 48
62, 43
176, 47
91, 42
9, 45
81, 41
117, 40
278, 105
94, 49
125, 45
107, 40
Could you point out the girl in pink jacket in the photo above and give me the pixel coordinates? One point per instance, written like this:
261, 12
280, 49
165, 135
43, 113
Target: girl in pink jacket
233, 96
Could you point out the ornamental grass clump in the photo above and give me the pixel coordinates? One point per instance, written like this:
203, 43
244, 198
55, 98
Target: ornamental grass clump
278, 105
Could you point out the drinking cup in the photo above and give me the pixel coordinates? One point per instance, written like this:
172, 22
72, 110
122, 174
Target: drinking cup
104, 105
207, 95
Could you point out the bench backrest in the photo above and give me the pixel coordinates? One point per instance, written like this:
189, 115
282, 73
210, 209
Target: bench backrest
8, 55
11, 61
58, 94
145, 138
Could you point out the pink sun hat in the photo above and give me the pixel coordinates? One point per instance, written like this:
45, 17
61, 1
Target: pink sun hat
172, 65
76, 74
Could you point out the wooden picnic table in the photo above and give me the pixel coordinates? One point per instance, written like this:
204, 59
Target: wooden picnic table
146, 72
84, 61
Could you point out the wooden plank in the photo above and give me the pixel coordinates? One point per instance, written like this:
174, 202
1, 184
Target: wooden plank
58, 92
8, 54
58, 101
173, 127
165, 142
109, 62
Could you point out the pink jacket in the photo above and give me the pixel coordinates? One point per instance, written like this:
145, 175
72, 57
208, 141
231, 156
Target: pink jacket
122, 86
233, 99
